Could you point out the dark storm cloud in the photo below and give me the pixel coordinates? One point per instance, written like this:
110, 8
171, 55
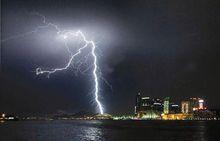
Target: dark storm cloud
157, 47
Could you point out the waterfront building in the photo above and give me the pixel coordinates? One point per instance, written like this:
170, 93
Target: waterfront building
197, 104
137, 103
201, 104
149, 114
157, 105
178, 116
146, 103
185, 107
142, 103
147, 108
192, 105
174, 108
166, 105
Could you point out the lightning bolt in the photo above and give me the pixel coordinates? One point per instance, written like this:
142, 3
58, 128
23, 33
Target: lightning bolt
66, 34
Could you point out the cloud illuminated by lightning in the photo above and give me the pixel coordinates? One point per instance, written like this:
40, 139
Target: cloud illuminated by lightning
66, 34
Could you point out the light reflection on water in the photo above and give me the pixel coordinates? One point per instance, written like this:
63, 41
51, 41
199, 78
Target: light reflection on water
202, 130
91, 134
109, 131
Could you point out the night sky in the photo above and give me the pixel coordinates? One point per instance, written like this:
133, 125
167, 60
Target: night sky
159, 48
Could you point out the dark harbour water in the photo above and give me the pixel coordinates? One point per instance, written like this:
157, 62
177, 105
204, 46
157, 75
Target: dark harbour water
110, 131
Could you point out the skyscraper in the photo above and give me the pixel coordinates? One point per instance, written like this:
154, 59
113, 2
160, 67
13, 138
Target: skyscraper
137, 103
144, 107
158, 105
166, 105
146, 103
174, 108
185, 107
196, 104
201, 104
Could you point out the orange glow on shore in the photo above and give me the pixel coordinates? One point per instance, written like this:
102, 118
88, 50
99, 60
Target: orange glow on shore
179, 116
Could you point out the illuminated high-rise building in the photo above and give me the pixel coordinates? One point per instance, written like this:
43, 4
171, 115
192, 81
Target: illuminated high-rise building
197, 104
201, 104
166, 105
193, 104
174, 108
137, 103
142, 103
146, 103
157, 105
185, 107
144, 107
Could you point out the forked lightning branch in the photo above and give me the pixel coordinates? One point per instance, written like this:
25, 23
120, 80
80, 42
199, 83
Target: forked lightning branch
66, 35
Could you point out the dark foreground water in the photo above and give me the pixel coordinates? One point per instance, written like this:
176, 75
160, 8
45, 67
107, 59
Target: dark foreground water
110, 131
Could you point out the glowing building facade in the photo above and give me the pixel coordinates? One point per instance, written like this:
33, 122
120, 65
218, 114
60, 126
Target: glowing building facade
158, 105
137, 103
166, 105
193, 105
147, 108
201, 104
185, 107
174, 108
146, 104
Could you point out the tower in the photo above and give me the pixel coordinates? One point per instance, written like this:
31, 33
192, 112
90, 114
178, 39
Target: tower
137, 103
185, 107
201, 104
166, 105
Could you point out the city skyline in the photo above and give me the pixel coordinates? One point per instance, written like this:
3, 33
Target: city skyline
194, 108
